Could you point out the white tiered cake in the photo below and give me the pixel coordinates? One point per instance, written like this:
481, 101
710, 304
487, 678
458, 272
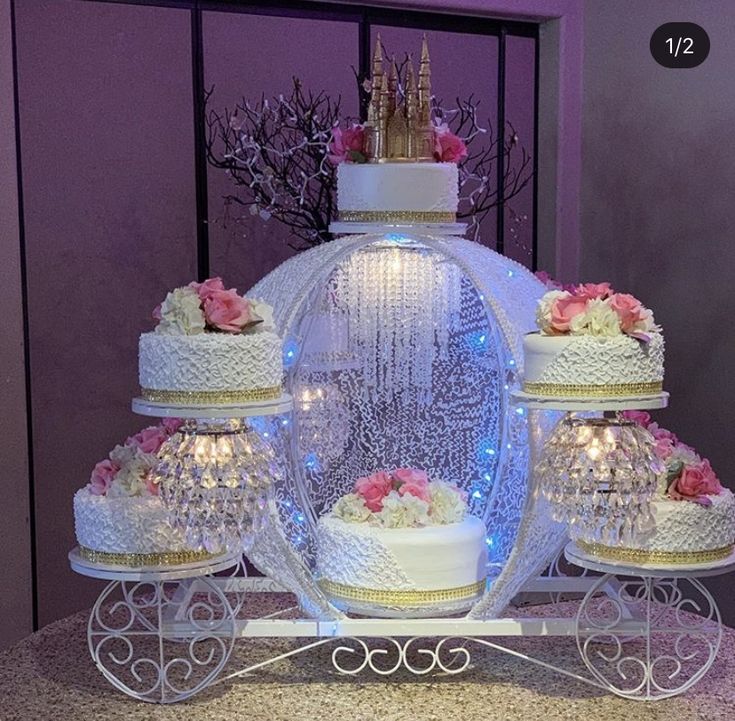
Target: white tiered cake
211, 346
118, 516
401, 544
593, 342
693, 515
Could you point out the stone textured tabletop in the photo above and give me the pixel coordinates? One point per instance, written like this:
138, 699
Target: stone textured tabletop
49, 676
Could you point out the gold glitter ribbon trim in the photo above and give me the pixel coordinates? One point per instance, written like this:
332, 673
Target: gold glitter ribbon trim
396, 216
640, 555
164, 558
597, 391
401, 598
213, 397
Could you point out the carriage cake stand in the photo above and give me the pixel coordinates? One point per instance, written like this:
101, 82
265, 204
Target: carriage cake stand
162, 635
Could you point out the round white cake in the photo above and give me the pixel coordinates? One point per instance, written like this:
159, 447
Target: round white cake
397, 192
386, 571
588, 365
685, 532
210, 367
128, 530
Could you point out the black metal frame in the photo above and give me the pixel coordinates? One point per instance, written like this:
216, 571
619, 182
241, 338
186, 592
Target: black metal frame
365, 17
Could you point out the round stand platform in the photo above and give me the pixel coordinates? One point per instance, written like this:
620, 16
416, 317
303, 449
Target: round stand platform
274, 407
574, 554
436, 229
619, 403
113, 572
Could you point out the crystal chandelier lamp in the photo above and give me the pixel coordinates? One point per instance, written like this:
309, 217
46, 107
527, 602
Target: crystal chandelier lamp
600, 475
216, 478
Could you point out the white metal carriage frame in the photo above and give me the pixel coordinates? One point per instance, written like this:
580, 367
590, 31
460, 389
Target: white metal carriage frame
163, 635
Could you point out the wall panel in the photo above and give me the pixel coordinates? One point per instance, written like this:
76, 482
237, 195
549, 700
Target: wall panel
107, 137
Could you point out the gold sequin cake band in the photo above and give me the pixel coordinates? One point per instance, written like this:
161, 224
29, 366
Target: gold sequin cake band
640, 555
213, 397
138, 560
565, 390
401, 598
396, 216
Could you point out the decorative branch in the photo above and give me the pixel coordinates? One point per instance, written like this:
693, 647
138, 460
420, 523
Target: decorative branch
276, 152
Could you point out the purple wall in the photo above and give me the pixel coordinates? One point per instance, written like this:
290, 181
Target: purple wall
239, 62
15, 535
659, 178
107, 139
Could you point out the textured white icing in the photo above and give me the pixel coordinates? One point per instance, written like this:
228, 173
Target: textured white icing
210, 361
687, 526
398, 186
592, 360
401, 559
135, 524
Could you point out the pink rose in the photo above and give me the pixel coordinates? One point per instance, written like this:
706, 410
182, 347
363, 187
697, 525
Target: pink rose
629, 310
228, 311
640, 417
448, 148
412, 481
593, 291
157, 312
564, 310
696, 482
347, 145
663, 448
149, 440
207, 288
171, 425
373, 489
102, 477
662, 433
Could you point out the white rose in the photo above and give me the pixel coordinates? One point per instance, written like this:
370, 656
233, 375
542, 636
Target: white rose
351, 509
122, 455
683, 454
417, 511
181, 313
447, 504
130, 479
394, 513
264, 312
599, 319
543, 309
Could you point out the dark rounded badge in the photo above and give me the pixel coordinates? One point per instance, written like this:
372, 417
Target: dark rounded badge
680, 45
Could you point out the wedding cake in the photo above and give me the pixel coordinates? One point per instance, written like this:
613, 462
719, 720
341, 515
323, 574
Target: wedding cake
400, 166
400, 544
593, 342
693, 515
118, 516
211, 346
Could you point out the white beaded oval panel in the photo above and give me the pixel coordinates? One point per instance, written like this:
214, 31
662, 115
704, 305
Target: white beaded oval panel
401, 350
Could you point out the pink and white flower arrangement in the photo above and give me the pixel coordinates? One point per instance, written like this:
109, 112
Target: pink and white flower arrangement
210, 307
593, 309
688, 476
403, 498
128, 470
348, 145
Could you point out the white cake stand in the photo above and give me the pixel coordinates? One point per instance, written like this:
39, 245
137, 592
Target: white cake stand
602, 403
275, 407
656, 634
410, 229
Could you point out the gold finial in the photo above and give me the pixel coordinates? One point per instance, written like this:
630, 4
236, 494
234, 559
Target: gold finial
399, 133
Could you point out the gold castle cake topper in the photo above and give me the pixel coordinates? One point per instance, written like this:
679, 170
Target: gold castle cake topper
399, 132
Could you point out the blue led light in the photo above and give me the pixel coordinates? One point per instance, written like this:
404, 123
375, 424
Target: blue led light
488, 477
284, 421
519, 411
477, 494
311, 460
490, 541
290, 351
511, 362
510, 273
300, 518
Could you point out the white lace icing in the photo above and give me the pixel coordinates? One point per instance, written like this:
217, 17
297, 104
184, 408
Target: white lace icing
427, 187
687, 526
592, 360
401, 559
210, 361
124, 525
